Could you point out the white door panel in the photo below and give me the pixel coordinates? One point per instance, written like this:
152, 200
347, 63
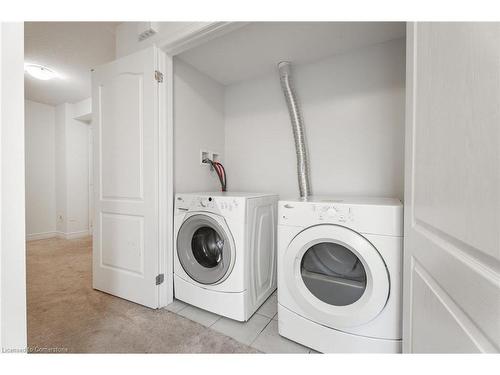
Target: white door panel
126, 175
122, 134
452, 193
122, 242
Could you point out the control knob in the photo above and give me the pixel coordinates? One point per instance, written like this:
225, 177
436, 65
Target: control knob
331, 212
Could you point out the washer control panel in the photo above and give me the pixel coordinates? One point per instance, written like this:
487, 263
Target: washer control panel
228, 205
206, 203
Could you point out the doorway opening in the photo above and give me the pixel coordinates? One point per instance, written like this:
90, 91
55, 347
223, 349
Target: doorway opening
59, 57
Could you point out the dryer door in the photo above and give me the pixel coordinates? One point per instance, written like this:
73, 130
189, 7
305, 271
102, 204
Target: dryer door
205, 248
336, 276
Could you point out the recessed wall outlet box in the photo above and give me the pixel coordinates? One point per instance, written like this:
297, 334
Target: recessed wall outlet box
205, 155
146, 30
212, 155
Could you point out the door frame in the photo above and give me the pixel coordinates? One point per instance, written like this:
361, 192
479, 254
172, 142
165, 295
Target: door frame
13, 313
197, 36
408, 208
90, 151
166, 175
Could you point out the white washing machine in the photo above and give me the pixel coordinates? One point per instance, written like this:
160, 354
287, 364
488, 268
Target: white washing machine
340, 274
225, 251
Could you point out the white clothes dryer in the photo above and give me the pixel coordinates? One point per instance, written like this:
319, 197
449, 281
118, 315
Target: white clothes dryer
340, 273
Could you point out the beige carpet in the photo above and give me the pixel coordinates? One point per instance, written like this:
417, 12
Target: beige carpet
65, 314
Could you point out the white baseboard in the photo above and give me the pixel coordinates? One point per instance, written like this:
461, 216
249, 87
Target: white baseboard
41, 236
73, 235
66, 236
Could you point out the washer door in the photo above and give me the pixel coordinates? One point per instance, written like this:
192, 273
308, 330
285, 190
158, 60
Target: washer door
205, 248
336, 276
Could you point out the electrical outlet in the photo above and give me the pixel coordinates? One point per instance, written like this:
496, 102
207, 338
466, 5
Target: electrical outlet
216, 156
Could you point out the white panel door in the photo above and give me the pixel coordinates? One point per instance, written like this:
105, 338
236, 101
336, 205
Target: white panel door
126, 248
452, 196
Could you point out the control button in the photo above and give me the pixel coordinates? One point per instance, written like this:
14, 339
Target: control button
331, 211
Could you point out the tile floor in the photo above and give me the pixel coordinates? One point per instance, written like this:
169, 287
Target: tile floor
260, 332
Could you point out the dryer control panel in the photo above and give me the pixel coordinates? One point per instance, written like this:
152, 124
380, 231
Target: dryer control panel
317, 213
334, 213
381, 216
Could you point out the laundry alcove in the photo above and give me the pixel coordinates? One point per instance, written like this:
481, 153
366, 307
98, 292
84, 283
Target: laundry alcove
350, 80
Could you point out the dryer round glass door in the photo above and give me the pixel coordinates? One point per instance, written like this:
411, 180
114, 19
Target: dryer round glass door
336, 276
204, 249
333, 273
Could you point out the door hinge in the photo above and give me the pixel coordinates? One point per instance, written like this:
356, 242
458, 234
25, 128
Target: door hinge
158, 76
160, 278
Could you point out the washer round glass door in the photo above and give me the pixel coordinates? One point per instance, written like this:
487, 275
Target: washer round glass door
204, 249
336, 276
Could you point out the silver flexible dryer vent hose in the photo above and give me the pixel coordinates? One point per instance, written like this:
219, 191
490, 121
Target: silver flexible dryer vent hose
285, 69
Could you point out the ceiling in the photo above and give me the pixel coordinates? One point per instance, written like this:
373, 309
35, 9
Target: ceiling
71, 49
255, 49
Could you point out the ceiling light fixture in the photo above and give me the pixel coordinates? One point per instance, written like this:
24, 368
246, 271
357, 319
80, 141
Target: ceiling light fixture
39, 72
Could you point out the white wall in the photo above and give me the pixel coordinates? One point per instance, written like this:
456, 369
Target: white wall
77, 182
353, 108
60, 167
82, 110
198, 124
72, 163
40, 170
12, 214
57, 171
